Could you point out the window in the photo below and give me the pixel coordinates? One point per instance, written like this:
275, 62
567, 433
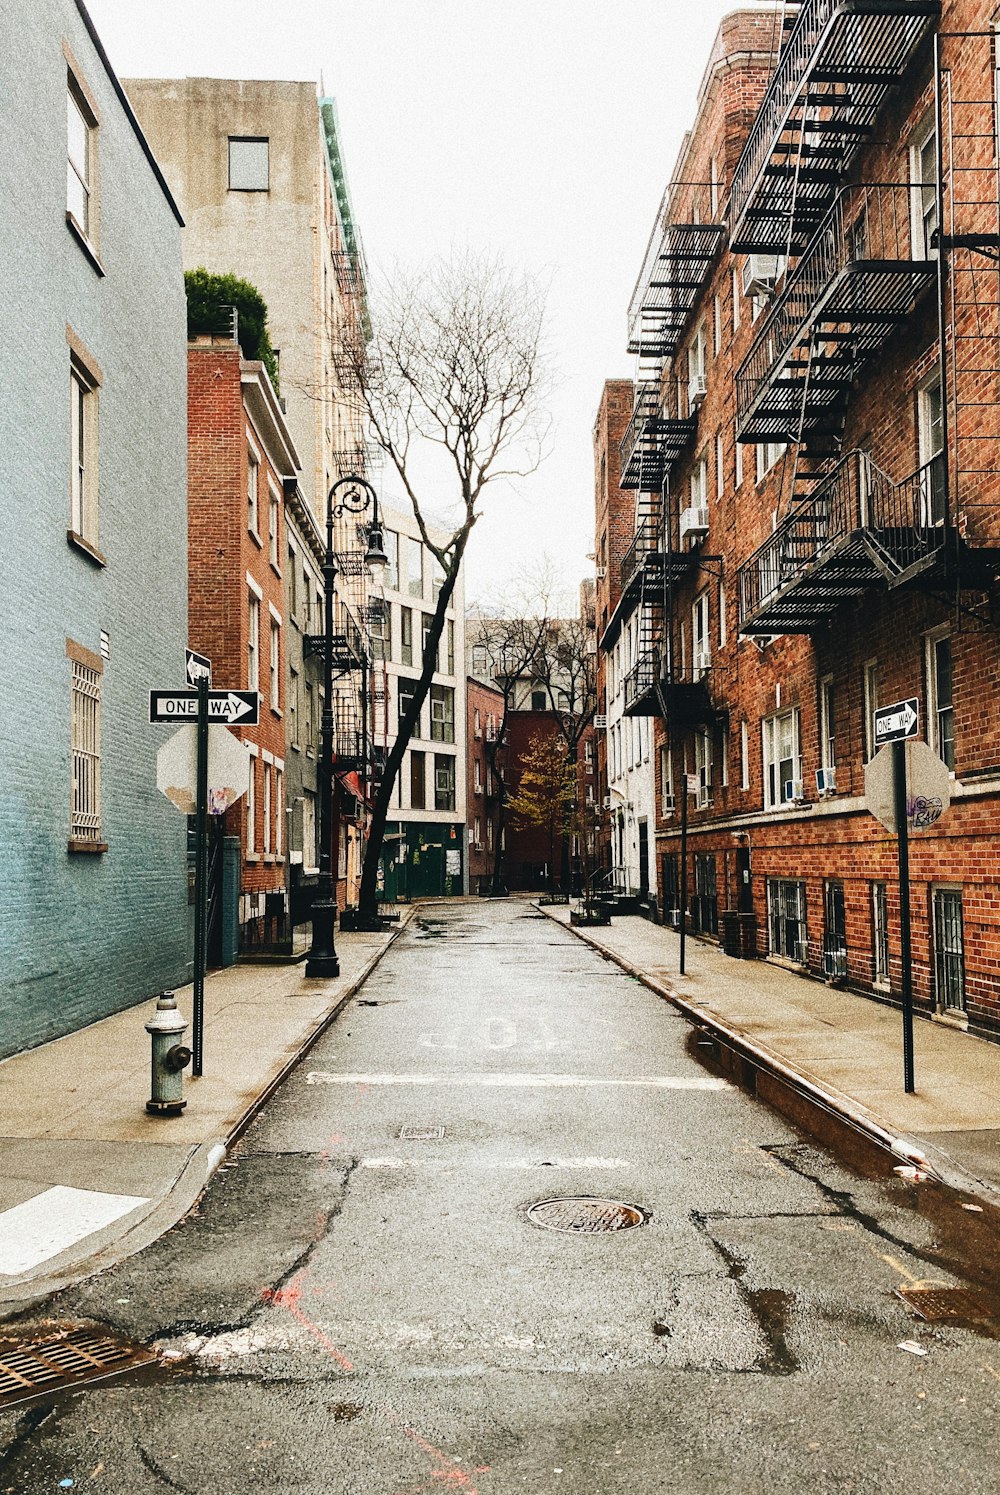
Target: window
701, 650
880, 937
253, 644
930, 443
415, 552
85, 748
940, 710
781, 759
724, 765
477, 833
437, 578
834, 931
768, 453
705, 903
309, 857
720, 474
450, 627
426, 619
869, 697
477, 764
275, 665
251, 808
308, 730
539, 700
253, 492
489, 832
267, 809
923, 175
722, 616
738, 459
786, 919
406, 689
949, 950
699, 483
744, 755
306, 599
83, 452
81, 131
444, 782
703, 766
292, 585
406, 635
479, 660
696, 365
737, 291
294, 685
390, 539
827, 725
272, 529
378, 627
279, 809
249, 167
666, 780
477, 723
418, 781
716, 325
442, 713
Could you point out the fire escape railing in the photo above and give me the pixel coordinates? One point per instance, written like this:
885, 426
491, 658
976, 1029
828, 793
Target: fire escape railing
653, 441
867, 262
647, 541
892, 527
832, 74
675, 274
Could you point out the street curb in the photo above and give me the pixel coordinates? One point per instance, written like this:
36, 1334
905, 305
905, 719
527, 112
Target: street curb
842, 1108
195, 1173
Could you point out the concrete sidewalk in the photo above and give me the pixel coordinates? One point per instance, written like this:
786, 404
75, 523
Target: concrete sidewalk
842, 1051
86, 1175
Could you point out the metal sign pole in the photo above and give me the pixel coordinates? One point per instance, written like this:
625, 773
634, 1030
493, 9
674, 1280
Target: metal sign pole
200, 877
684, 867
903, 846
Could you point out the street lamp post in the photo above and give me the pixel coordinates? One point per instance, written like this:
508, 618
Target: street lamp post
356, 496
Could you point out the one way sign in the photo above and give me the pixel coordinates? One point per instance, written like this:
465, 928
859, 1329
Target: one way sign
227, 706
897, 722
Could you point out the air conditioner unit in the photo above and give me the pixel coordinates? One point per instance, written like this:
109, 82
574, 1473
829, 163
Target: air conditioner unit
697, 390
601, 572
672, 916
477, 845
801, 952
607, 801
600, 723
702, 661
793, 790
760, 271
826, 780
694, 522
591, 646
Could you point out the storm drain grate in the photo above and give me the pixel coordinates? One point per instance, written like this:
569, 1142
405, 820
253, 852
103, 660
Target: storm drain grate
934, 1303
421, 1133
67, 1359
586, 1215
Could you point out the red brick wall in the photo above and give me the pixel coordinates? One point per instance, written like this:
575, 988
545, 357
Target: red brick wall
482, 805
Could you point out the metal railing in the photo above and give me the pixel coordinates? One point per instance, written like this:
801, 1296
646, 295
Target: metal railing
881, 225
904, 523
648, 540
872, 44
673, 277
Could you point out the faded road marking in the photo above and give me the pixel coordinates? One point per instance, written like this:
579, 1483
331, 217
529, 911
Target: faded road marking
438, 1164
521, 1081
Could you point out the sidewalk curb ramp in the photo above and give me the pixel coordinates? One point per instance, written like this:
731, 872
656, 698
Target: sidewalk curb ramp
789, 1089
195, 1173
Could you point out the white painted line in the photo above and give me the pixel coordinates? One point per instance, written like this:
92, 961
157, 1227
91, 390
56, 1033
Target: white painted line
45, 1225
518, 1164
520, 1081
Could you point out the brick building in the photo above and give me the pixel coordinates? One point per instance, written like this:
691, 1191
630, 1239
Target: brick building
241, 462
484, 706
815, 467
93, 886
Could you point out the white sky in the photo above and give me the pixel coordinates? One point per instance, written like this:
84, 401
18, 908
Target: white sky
541, 129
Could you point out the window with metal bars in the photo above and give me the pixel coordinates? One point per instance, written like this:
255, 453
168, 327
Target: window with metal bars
880, 937
85, 720
949, 950
786, 916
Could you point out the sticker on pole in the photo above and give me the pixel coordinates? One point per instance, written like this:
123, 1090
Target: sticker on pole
228, 770
898, 722
928, 787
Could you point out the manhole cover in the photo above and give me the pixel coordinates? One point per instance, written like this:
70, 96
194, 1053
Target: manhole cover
943, 1303
586, 1215
421, 1133
41, 1366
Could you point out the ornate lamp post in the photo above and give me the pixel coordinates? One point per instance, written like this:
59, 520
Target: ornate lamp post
355, 497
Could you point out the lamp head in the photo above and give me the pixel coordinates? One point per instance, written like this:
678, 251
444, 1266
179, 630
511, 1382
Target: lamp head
375, 556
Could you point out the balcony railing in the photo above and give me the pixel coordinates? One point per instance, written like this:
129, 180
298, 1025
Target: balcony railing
675, 273
859, 529
832, 75
654, 685
653, 441
868, 262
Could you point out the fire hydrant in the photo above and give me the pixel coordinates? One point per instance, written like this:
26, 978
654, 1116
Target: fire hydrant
170, 1057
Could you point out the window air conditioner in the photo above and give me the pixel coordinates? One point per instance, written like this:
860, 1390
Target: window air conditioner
672, 917
793, 790
601, 572
801, 952
702, 661
477, 845
694, 521
760, 271
826, 780
600, 723
607, 801
697, 390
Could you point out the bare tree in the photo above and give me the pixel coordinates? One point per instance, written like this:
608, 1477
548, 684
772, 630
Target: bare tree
454, 362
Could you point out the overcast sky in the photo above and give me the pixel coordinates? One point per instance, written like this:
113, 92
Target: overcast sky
542, 129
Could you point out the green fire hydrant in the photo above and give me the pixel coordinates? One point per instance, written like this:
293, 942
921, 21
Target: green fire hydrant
170, 1057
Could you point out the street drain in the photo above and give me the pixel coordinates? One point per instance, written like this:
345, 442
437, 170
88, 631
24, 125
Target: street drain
586, 1215
933, 1303
42, 1366
421, 1133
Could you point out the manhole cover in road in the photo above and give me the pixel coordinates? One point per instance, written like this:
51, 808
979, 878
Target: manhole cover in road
39, 1366
933, 1303
421, 1133
586, 1215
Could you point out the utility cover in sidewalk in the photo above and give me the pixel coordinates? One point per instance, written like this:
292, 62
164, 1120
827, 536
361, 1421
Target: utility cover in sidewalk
934, 1303
586, 1215
421, 1133
40, 1366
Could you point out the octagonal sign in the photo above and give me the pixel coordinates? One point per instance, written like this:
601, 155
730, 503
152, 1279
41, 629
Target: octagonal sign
928, 787
228, 770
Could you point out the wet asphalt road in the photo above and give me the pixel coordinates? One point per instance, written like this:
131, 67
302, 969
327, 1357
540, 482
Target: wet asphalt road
349, 1310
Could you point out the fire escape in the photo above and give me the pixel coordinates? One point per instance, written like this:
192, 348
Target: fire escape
657, 436
862, 258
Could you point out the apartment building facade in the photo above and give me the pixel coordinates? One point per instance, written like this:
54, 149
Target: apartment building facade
813, 446
258, 169
94, 883
425, 849
484, 710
